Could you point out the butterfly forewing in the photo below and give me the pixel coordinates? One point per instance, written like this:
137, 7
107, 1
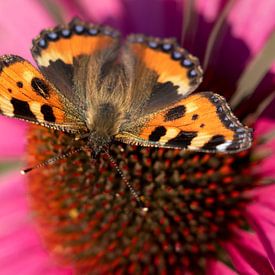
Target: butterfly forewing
66, 54
27, 95
177, 72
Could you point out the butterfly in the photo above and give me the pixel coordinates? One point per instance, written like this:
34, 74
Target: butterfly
94, 86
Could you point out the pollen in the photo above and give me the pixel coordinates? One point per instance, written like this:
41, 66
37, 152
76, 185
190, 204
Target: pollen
73, 213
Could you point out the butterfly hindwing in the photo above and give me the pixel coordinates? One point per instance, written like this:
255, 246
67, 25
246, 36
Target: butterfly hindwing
27, 95
199, 122
66, 53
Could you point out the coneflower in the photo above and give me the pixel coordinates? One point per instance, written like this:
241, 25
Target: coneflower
207, 213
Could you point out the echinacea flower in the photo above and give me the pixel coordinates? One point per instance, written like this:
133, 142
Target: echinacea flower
208, 213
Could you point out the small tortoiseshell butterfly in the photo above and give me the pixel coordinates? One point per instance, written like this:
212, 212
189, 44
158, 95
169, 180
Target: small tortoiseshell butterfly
138, 92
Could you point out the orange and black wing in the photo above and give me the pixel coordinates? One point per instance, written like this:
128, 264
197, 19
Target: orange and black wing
199, 122
64, 55
27, 95
163, 71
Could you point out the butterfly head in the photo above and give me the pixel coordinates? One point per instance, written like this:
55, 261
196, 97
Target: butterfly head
98, 143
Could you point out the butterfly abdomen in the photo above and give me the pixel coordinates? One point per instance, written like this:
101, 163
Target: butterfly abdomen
107, 100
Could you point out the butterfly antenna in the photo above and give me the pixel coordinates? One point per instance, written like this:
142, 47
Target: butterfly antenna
52, 160
136, 196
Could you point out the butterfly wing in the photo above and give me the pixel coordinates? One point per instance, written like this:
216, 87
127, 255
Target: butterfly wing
162, 71
65, 56
169, 116
199, 122
27, 95
68, 54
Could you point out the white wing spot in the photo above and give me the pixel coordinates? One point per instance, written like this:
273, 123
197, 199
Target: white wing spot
28, 76
222, 147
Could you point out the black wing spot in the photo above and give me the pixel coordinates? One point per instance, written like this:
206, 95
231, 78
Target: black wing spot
163, 95
213, 142
9, 90
40, 87
175, 113
19, 84
61, 75
183, 139
47, 111
202, 125
157, 133
195, 117
22, 109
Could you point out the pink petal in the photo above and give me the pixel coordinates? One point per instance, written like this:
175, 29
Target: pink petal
155, 18
247, 254
264, 126
21, 249
103, 10
20, 22
262, 221
12, 138
209, 10
18, 27
214, 267
264, 196
158, 18
241, 37
267, 168
252, 21
202, 21
268, 85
